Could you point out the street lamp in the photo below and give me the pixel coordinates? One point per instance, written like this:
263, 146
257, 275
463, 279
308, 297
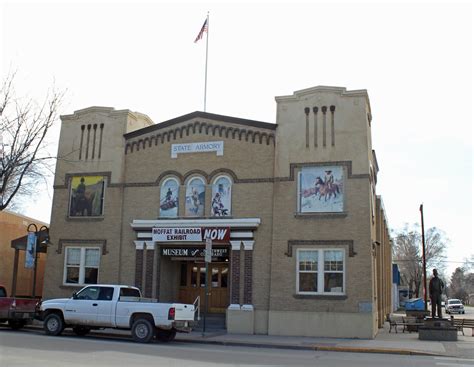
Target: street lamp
35, 238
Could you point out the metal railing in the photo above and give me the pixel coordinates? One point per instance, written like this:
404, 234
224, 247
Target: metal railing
197, 308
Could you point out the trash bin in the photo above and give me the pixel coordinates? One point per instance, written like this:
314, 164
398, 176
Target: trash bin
415, 304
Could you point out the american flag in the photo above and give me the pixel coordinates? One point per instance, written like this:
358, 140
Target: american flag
201, 32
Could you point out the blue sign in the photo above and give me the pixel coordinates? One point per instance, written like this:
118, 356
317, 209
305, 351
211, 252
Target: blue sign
30, 251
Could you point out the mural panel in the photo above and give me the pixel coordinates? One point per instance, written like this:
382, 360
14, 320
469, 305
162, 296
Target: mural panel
195, 198
87, 196
221, 197
321, 189
169, 199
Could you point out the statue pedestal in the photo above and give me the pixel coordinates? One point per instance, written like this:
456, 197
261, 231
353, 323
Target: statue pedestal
438, 329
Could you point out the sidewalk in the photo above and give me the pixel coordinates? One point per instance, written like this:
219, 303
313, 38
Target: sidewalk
385, 342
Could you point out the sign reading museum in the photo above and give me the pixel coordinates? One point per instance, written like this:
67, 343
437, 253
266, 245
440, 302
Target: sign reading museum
208, 146
193, 252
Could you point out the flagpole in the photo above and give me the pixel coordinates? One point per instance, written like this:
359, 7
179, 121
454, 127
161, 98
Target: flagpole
205, 77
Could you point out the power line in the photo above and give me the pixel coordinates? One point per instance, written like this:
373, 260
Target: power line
441, 261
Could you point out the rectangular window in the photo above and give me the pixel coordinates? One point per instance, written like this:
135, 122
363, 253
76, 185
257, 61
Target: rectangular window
320, 271
81, 265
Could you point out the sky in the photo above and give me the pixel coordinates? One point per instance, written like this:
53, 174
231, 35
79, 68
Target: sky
414, 59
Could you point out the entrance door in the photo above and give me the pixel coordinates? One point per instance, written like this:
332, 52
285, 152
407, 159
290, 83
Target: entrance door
193, 282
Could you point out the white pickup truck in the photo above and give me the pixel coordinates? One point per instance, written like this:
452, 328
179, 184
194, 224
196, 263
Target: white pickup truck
119, 307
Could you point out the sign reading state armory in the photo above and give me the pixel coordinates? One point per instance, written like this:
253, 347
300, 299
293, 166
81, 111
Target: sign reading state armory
208, 146
191, 234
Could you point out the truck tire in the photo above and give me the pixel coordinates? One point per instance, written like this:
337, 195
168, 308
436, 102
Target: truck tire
165, 336
16, 324
142, 330
53, 324
81, 330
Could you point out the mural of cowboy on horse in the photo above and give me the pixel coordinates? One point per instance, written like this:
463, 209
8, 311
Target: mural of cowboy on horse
326, 187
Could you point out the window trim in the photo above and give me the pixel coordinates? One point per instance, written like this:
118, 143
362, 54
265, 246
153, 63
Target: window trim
81, 265
321, 271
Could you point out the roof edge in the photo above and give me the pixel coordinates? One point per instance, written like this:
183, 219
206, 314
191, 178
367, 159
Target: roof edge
107, 110
204, 115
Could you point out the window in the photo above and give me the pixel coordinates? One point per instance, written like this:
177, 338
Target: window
129, 292
87, 196
169, 195
333, 271
320, 189
106, 294
89, 293
221, 197
195, 197
81, 265
320, 271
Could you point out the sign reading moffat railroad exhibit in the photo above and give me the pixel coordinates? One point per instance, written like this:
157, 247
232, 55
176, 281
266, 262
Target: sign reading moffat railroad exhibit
191, 234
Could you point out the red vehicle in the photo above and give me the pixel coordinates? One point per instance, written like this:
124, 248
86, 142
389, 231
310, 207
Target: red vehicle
16, 311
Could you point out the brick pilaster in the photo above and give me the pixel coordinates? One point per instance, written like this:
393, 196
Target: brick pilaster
150, 253
235, 282
248, 276
138, 268
157, 271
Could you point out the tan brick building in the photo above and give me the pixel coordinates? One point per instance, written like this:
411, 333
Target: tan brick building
300, 239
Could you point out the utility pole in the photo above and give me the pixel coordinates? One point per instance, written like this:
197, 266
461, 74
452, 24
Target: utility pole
424, 256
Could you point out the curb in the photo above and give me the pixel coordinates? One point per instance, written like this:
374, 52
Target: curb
324, 348
407, 352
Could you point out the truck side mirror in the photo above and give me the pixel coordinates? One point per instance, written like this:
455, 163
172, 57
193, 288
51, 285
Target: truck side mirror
74, 295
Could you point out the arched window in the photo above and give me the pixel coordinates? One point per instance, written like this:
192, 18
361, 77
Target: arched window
221, 197
195, 197
169, 195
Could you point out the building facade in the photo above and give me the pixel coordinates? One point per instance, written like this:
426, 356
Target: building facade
298, 247
14, 276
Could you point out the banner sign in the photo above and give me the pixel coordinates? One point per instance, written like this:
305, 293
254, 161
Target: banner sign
208, 146
30, 250
191, 234
193, 252
177, 234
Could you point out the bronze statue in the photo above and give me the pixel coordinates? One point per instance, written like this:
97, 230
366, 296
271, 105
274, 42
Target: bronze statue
436, 289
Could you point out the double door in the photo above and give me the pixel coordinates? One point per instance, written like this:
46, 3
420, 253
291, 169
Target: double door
193, 279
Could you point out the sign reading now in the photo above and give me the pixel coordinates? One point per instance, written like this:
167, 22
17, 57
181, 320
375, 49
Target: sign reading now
191, 234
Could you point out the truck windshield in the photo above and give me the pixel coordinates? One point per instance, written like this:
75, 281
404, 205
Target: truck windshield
129, 292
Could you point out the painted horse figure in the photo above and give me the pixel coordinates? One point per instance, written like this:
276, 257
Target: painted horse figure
326, 190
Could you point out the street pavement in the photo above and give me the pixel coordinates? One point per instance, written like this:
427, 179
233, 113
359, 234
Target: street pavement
26, 348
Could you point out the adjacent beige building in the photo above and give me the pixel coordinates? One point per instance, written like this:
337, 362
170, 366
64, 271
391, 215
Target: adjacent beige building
300, 242
14, 276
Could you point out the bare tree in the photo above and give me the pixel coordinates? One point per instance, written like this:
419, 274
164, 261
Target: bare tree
24, 125
408, 254
462, 281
